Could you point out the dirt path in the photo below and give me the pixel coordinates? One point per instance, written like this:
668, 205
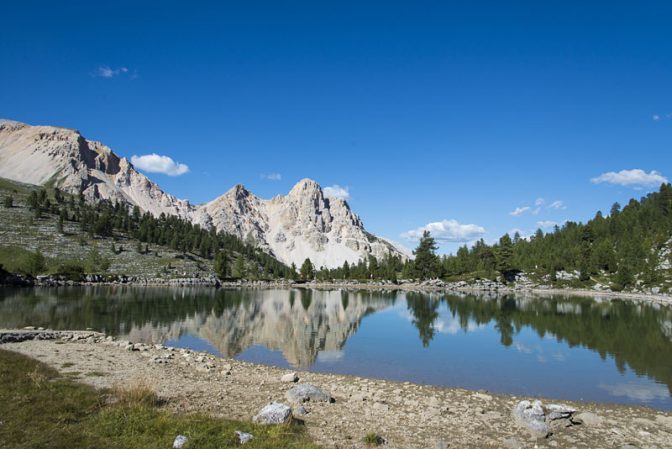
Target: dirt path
408, 416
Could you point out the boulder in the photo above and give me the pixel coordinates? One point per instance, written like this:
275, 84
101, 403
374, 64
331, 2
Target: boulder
274, 413
307, 392
531, 415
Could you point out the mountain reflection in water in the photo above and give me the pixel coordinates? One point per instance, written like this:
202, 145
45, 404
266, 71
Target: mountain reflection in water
374, 332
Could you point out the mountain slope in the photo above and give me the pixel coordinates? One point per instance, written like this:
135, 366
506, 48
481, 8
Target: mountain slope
61, 157
303, 224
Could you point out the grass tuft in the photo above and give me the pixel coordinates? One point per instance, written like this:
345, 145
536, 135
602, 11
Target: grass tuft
373, 439
138, 395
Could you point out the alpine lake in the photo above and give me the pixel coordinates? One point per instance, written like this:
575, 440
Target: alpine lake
557, 347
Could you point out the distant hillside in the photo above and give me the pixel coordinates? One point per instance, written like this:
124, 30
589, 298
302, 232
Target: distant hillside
43, 231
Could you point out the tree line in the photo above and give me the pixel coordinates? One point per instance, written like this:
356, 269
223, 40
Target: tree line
232, 257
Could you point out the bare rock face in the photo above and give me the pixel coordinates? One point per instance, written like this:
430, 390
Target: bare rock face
62, 157
303, 224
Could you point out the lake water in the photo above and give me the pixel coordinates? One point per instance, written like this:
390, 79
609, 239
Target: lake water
557, 347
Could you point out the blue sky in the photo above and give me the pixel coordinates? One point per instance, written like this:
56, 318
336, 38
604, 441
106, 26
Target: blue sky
424, 111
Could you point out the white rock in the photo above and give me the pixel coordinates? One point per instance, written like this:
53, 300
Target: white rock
244, 437
531, 416
179, 442
290, 377
274, 413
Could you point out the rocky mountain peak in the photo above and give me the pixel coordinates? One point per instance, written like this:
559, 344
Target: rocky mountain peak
304, 187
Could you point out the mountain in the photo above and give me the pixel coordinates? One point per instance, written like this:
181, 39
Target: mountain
303, 224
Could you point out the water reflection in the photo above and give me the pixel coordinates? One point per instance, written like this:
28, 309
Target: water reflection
331, 330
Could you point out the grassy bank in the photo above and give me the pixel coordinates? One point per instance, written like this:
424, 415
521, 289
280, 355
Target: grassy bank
42, 409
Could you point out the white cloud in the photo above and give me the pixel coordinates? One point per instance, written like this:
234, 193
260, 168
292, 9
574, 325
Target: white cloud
547, 223
557, 205
519, 211
447, 231
155, 163
539, 202
656, 117
637, 391
330, 356
631, 178
105, 71
271, 176
337, 191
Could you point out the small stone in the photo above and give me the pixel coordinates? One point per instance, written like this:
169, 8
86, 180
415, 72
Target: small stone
290, 377
244, 437
587, 419
483, 396
512, 443
179, 442
381, 406
300, 411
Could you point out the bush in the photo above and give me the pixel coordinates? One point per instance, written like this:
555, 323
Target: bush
9, 201
72, 270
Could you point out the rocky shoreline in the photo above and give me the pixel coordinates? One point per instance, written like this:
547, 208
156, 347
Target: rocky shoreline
339, 410
435, 285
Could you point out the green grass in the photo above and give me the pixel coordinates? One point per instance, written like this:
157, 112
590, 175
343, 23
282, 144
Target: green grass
373, 439
41, 409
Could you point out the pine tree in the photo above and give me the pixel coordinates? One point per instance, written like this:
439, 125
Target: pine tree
426, 262
221, 265
59, 224
239, 268
36, 263
504, 256
58, 196
307, 270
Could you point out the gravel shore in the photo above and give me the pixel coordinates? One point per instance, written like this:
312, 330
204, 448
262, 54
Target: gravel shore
405, 415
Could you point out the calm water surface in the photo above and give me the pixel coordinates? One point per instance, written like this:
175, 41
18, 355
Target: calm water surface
557, 347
